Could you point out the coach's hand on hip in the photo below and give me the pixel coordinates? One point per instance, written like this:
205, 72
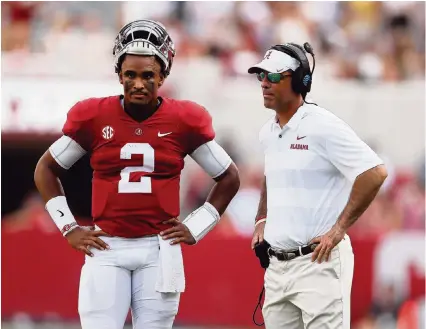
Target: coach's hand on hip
179, 232
81, 239
258, 234
326, 243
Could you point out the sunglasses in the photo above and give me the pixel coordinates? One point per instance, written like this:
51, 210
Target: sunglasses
272, 77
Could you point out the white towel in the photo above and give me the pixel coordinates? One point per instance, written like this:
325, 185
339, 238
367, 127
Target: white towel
171, 276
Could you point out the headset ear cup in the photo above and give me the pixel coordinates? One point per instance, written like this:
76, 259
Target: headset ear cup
308, 87
296, 83
307, 81
302, 77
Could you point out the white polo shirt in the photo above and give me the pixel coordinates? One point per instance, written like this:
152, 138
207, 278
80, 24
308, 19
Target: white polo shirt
310, 167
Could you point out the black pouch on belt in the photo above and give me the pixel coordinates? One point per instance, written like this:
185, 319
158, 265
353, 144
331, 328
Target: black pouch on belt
261, 251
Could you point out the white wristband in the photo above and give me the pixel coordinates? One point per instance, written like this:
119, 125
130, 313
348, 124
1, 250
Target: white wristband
61, 214
260, 221
202, 220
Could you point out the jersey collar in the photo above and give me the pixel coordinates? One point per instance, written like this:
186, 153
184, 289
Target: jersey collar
294, 121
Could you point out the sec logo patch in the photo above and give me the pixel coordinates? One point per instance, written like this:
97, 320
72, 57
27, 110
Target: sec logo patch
107, 132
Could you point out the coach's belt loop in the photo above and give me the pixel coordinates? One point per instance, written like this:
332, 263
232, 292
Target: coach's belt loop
300, 251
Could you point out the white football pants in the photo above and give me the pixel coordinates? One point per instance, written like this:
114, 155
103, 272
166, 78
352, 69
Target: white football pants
114, 280
300, 294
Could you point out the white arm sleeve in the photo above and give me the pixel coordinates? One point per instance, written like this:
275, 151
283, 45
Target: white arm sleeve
212, 158
66, 152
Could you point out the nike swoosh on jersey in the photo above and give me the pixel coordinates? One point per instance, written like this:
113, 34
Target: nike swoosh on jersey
165, 134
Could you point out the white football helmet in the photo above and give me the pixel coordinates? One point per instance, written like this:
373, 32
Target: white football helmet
146, 38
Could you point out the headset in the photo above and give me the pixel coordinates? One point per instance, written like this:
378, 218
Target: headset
302, 78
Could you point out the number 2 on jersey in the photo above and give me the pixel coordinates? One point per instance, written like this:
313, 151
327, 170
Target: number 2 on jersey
144, 185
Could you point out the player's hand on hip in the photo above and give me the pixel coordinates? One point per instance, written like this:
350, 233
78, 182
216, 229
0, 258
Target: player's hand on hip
326, 243
81, 239
258, 234
179, 232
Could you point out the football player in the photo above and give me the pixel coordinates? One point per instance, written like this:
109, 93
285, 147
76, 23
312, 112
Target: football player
137, 142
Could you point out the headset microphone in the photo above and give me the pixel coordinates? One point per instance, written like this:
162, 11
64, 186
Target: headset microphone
308, 48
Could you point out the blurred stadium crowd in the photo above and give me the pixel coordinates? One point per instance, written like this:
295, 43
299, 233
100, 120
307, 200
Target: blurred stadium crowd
357, 40
364, 41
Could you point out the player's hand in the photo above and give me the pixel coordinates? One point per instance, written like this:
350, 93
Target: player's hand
258, 234
179, 232
326, 243
81, 239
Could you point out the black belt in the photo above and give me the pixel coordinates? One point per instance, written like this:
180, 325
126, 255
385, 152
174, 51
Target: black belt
283, 255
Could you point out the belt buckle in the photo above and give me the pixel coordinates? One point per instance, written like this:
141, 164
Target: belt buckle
282, 255
286, 256
290, 255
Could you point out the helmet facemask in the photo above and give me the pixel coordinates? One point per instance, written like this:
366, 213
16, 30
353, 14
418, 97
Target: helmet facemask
145, 38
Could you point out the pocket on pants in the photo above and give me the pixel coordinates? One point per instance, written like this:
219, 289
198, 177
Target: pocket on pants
335, 266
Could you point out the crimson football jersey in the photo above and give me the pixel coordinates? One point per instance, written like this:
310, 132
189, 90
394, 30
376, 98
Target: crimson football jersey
137, 165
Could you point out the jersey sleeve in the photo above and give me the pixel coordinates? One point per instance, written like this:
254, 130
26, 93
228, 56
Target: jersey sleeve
346, 151
199, 126
78, 124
